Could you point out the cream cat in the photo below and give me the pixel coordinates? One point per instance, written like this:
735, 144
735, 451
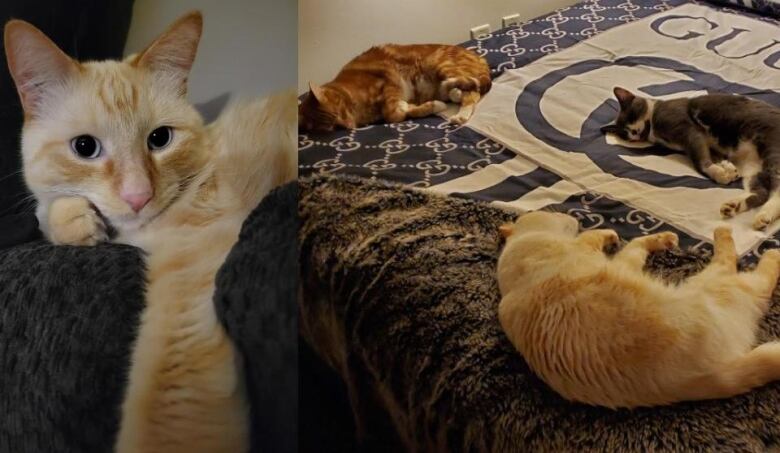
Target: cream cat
600, 331
113, 149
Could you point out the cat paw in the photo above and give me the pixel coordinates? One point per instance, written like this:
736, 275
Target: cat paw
459, 119
724, 172
732, 207
73, 221
611, 238
439, 106
761, 221
662, 241
455, 95
722, 232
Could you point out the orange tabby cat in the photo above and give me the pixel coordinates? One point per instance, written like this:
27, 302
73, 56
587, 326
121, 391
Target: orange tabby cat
395, 82
598, 330
116, 146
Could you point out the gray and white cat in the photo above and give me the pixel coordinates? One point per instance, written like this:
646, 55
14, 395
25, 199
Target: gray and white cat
726, 136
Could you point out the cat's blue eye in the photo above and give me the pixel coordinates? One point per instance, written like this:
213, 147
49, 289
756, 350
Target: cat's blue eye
159, 138
86, 146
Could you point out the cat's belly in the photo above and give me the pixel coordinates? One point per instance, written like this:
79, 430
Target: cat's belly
745, 157
420, 89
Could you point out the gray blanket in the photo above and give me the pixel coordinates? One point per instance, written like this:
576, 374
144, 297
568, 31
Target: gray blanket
399, 296
68, 318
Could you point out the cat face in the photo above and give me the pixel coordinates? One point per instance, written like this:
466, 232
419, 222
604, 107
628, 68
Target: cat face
320, 111
633, 121
119, 133
542, 221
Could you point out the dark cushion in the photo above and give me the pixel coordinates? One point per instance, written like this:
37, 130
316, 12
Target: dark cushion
68, 317
256, 300
67, 322
399, 296
85, 30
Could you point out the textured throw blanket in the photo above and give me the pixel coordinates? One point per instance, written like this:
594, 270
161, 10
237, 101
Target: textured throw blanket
68, 321
400, 297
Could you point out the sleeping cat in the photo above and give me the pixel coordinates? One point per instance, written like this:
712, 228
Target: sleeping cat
113, 148
395, 82
600, 331
724, 135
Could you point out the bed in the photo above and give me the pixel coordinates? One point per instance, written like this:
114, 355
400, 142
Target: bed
398, 293
534, 140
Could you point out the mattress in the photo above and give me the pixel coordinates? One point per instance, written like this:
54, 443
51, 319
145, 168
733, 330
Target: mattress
534, 140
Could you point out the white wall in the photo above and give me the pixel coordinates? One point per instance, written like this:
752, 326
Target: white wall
248, 47
331, 32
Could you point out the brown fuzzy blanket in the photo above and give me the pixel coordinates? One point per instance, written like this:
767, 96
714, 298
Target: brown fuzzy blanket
399, 296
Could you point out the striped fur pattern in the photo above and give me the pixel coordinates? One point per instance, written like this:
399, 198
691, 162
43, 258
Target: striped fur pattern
394, 82
598, 330
185, 389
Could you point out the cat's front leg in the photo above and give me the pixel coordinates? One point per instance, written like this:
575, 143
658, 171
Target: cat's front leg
723, 172
698, 148
598, 240
634, 254
395, 107
73, 221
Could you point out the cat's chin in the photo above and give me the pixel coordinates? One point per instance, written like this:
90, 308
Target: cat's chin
125, 223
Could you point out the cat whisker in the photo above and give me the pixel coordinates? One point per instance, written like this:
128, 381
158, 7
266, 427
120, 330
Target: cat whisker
28, 198
13, 173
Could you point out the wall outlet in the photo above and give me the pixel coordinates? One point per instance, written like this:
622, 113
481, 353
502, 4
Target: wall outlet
480, 31
511, 20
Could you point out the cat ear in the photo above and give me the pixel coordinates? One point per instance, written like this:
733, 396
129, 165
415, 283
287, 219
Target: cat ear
506, 230
171, 55
623, 96
36, 64
316, 91
609, 129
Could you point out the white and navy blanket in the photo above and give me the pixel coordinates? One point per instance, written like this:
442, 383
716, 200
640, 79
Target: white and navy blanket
535, 141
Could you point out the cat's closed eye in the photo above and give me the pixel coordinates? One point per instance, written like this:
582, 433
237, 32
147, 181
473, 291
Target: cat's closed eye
86, 146
160, 138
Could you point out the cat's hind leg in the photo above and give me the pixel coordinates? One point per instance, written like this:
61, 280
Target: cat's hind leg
763, 279
758, 367
455, 85
756, 186
769, 212
467, 106
634, 254
425, 109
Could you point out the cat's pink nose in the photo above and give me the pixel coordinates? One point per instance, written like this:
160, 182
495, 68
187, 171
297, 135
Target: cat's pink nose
136, 200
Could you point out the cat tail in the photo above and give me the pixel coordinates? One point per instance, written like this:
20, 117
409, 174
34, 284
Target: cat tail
485, 83
756, 368
257, 146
